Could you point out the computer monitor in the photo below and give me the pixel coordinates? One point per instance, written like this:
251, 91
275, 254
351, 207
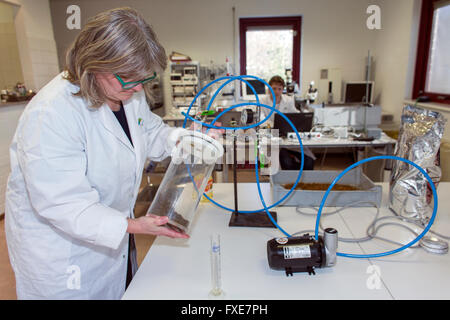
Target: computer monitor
302, 121
355, 91
247, 93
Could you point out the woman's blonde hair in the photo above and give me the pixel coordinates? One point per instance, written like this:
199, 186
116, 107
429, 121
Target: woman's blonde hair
115, 41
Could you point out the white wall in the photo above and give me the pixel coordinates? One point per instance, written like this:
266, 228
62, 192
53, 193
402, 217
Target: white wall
38, 58
395, 53
35, 39
10, 69
396, 50
334, 33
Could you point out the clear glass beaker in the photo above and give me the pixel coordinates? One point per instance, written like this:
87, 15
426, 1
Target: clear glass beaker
187, 175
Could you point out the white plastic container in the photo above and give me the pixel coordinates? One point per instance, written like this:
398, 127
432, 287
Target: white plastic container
367, 190
185, 180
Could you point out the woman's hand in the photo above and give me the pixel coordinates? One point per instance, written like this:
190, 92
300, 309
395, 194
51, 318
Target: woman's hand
154, 225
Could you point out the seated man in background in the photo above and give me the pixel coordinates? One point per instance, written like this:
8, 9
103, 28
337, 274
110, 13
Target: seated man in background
289, 159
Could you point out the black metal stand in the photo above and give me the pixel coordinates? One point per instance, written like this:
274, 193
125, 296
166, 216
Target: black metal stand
240, 219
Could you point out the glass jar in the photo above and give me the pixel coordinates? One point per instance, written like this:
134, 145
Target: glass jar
189, 170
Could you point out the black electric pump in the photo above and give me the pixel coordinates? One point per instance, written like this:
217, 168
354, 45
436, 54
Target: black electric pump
303, 253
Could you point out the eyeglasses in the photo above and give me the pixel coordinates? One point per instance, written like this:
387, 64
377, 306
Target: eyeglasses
132, 84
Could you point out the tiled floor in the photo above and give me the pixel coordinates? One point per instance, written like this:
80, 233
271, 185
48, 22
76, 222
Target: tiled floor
144, 242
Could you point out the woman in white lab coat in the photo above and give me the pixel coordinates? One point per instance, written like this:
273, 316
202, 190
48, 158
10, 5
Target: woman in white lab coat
289, 159
77, 159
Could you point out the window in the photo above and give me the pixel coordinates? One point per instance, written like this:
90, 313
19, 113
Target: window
268, 52
432, 76
269, 46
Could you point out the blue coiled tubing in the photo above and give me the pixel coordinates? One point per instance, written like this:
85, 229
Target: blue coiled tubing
265, 207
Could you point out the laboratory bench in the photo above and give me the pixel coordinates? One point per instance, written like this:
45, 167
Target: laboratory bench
384, 145
13, 103
176, 269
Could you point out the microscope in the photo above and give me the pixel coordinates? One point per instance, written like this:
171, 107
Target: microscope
311, 94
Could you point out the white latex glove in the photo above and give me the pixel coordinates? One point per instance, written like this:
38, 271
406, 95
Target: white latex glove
175, 136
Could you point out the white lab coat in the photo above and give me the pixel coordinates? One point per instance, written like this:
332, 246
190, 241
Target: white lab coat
73, 183
286, 105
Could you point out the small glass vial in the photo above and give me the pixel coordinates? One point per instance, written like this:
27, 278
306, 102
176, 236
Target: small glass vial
216, 277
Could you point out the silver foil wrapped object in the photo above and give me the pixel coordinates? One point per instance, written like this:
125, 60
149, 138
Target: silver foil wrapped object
419, 141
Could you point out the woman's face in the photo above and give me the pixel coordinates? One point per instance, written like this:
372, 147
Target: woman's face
113, 88
277, 89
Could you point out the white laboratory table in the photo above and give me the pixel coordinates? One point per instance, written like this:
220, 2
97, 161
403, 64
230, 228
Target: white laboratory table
271, 147
332, 142
322, 142
180, 269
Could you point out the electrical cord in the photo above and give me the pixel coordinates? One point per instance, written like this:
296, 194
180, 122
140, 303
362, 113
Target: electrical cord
427, 228
373, 228
298, 210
